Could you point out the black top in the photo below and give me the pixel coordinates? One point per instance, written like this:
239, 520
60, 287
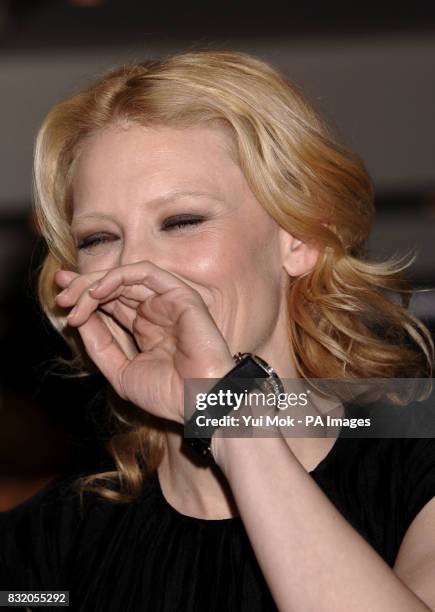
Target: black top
145, 555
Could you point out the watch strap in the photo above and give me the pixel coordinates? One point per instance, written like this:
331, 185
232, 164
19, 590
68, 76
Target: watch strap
244, 377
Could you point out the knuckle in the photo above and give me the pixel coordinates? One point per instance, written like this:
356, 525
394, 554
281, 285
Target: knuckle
187, 301
142, 308
190, 297
187, 294
81, 283
102, 275
74, 284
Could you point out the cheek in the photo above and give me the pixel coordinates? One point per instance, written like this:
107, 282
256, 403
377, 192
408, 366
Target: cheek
207, 260
215, 268
236, 256
86, 264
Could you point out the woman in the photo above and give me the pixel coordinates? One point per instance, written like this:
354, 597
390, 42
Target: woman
195, 207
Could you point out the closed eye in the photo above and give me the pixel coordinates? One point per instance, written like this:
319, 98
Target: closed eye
93, 240
180, 221
171, 223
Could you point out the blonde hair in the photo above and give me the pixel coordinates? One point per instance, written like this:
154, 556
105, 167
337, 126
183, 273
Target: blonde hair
341, 325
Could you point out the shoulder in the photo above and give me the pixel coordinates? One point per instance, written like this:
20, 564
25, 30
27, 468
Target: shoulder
380, 482
39, 537
418, 474
399, 475
405, 465
29, 534
45, 521
55, 494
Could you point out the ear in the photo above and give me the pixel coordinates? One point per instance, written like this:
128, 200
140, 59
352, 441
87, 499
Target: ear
297, 257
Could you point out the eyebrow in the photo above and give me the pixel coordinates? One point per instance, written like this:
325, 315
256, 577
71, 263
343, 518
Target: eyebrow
172, 195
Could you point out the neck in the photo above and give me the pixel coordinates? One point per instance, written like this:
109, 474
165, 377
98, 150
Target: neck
199, 489
192, 488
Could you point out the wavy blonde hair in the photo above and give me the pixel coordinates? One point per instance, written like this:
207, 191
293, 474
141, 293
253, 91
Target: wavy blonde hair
341, 325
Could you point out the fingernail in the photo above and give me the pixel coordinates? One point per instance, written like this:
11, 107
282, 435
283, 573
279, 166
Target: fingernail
72, 312
94, 286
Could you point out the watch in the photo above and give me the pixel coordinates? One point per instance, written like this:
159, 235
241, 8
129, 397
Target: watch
242, 378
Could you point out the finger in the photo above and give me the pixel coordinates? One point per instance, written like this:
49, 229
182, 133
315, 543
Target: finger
165, 309
143, 273
131, 303
132, 295
75, 286
147, 334
71, 294
83, 309
64, 277
174, 307
124, 338
104, 351
124, 314
122, 308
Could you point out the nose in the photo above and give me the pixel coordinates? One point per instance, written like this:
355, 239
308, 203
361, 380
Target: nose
137, 247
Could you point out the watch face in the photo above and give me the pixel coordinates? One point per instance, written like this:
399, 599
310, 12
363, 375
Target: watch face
265, 367
270, 385
262, 364
272, 380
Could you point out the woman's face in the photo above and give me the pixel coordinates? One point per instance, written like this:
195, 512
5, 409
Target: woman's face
131, 188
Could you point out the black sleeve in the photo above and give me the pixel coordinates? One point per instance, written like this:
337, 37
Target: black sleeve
418, 477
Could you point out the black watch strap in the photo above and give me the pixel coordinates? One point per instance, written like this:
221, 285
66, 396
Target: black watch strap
242, 378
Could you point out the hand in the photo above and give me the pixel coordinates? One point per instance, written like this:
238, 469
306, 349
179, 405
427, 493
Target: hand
172, 327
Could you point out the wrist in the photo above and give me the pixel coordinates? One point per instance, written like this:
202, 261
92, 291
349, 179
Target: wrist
221, 369
217, 450
251, 373
232, 454
223, 448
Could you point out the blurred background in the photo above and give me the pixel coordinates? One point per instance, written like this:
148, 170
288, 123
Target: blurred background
370, 68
